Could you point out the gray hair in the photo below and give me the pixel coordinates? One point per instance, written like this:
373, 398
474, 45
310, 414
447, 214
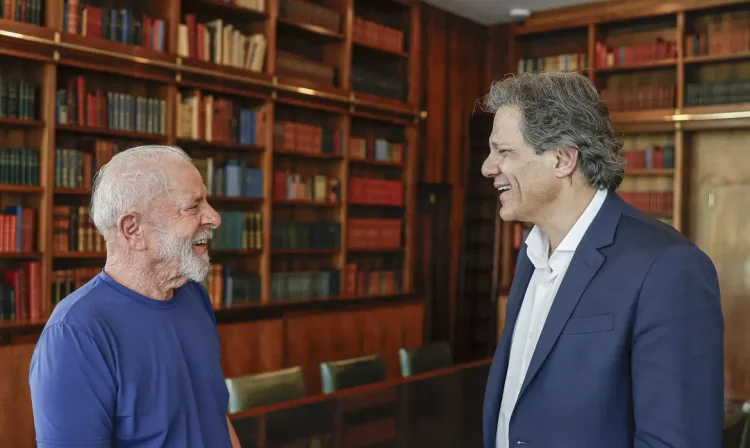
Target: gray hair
563, 110
129, 182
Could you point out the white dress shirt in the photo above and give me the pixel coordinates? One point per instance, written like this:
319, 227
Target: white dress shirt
545, 281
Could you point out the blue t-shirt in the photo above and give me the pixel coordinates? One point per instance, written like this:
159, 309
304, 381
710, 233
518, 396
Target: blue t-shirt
113, 367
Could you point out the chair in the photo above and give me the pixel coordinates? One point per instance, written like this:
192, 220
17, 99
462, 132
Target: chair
422, 359
262, 389
337, 375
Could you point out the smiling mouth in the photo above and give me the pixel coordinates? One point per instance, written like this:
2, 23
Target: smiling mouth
503, 188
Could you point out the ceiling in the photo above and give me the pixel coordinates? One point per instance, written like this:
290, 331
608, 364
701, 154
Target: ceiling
490, 12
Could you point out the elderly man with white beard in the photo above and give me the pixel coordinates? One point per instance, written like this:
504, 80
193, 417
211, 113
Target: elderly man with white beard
132, 358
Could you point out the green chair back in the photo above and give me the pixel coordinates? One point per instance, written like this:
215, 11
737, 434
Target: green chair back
338, 375
433, 356
262, 389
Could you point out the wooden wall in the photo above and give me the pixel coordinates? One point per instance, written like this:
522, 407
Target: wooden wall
456, 73
249, 347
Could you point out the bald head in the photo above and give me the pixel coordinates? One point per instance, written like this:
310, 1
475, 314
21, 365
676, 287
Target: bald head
130, 182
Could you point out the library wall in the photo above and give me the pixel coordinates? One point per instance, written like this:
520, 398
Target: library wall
304, 120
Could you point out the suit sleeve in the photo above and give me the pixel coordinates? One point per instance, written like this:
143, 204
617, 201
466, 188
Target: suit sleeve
678, 354
73, 390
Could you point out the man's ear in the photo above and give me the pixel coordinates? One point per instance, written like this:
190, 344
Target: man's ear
567, 160
130, 227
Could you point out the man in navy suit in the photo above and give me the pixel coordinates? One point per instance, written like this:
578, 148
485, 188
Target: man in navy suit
613, 333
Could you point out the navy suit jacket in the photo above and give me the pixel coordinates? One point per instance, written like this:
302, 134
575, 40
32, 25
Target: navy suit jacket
631, 354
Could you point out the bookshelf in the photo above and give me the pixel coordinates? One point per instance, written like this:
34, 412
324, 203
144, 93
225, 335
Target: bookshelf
301, 115
675, 79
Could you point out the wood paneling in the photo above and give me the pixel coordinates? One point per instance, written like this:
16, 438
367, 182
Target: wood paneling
312, 339
16, 418
252, 347
456, 72
719, 200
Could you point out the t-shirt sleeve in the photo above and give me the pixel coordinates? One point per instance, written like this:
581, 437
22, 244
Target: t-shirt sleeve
73, 390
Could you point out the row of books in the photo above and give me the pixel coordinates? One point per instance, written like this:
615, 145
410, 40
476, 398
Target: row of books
227, 287
73, 231
238, 231
315, 187
376, 35
18, 98
655, 96
625, 55
306, 138
26, 11
378, 83
202, 116
376, 191
19, 292
370, 147
112, 110
719, 92
565, 62
359, 282
298, 66
306, 235
230, 178
373, 233
75, 169
65, 281
649, 194
221, 43
19, 166
719, 34
119, 25
306, 12
651, 157
286, 286
17, 229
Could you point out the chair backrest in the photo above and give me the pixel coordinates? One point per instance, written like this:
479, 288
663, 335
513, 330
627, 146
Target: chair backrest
262, 389
337, 375
432, 356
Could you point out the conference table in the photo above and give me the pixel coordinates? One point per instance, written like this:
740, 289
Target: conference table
439, 409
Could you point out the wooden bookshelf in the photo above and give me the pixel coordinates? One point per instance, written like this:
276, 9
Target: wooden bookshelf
306, 68
675, 79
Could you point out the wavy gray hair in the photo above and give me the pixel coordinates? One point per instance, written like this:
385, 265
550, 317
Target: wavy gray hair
129, 182
563, 110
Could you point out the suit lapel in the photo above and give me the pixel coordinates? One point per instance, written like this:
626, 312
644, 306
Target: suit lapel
499, 368
585, 264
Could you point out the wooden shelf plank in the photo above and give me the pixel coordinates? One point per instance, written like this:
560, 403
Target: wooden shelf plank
376, 163
238, 199
234, 252
311, 29
8, 188
20, 255
386, 51
306, 154
306, 203
305, 251
650, 172
20, 123
665, 63
376, 249
707, 58
110, 133
220, 145
72, 191
78, 255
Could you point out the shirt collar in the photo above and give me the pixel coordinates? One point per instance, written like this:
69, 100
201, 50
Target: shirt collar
537, 243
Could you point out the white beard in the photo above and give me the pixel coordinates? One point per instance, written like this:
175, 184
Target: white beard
174, 249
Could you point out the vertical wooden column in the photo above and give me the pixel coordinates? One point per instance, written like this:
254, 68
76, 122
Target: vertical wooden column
267, 208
